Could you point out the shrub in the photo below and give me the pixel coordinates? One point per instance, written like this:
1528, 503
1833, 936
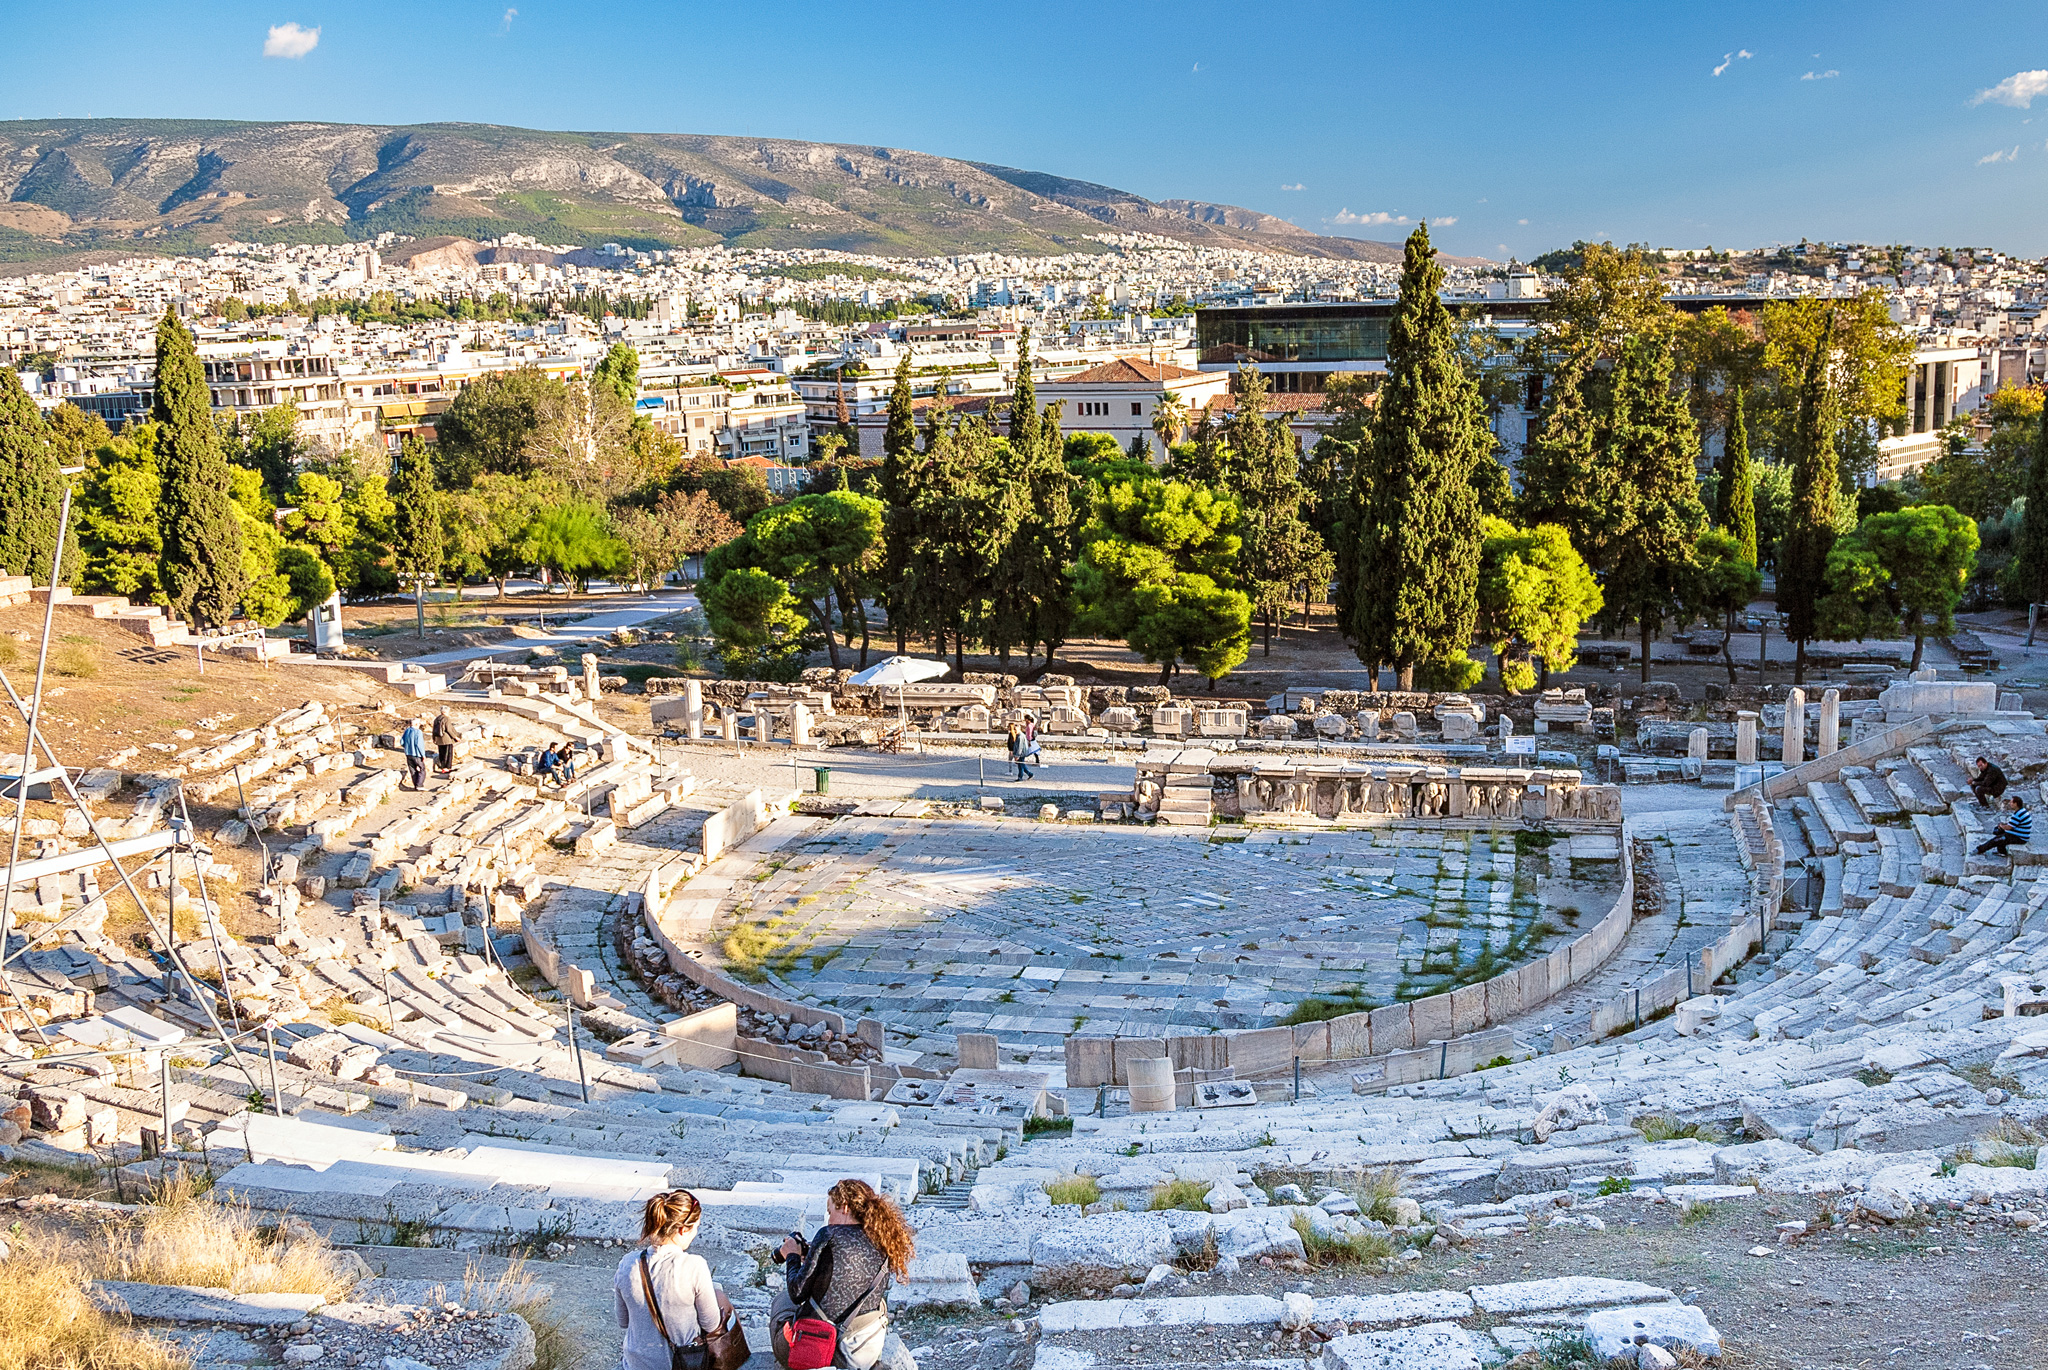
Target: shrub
76, 660
186, 1238
1517, 676
1184, 1194
1616, 1184
1377, 1191
1455, 674
1074, 1189
1042, 1127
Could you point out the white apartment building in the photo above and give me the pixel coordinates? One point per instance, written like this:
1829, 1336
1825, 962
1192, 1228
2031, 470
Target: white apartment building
1120, 398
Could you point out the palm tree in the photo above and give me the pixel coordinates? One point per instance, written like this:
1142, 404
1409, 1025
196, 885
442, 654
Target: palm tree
1169, 419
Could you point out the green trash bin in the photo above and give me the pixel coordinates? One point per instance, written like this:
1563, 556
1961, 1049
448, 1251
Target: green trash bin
824, 775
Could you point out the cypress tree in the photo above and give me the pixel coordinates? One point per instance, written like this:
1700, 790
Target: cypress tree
201, 567
849, 436
1736, 500
1654, 447
1565, 479
31, 488
2030, 556
1418, 562
416, 520
900, 436
1810, 526
1024, 401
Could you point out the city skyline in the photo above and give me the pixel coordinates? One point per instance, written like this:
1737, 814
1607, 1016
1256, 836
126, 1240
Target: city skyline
1742, 126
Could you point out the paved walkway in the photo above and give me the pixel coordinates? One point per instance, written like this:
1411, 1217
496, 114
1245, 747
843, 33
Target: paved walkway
630, 612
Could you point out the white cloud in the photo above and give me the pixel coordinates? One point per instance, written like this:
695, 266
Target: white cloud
1445, 220
1729, 59
2017, 90
1296, 186
1197, 67
1378, 216
510, 15
289, 40
1523, 222
2011, 154
1828, 75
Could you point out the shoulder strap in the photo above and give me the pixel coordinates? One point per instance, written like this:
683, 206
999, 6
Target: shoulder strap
653, 1304
874, 1287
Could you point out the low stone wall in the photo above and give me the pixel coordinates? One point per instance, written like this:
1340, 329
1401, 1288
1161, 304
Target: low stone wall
733, 825
1419, 1024
707, 1039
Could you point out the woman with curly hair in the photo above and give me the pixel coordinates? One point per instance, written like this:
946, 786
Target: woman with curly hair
845, 1272
663, 1294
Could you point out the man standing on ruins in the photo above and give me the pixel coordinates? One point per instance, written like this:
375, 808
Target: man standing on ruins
414, 744
444, 742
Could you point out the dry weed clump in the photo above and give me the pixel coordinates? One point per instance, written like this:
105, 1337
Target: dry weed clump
187, 1238
47, 1323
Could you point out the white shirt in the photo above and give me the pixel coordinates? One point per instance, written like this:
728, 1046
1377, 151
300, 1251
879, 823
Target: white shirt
689, 1302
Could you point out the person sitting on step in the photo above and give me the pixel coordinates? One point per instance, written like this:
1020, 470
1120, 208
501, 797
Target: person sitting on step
663, 1293
2014, 828
1988, 784
544, 766
843, 1274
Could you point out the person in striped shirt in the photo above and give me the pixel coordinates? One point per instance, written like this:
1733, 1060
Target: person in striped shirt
2016, 827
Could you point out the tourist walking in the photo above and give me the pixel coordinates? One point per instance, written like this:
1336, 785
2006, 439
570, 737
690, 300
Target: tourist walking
1015, 738
663, 1294
2015, 828
1030, 752
835, 1305
414, 744
1988, 784
444, 743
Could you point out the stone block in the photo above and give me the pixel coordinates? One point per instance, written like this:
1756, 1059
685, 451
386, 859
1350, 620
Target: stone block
838, 1082
1432, 1346
979, 1051
1468, 1010
1261, 1051
1392, 1028
1090, 1061
1430, 1018
1673, 1326
1129, 1049
1104, 1251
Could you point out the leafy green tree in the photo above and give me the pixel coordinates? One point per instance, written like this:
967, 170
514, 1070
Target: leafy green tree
754, 620
1724, 581
1158, 569
120, 527
677, 527
31, 489
320, 518
1736, 496
1983, 481
487, 523
1534, 592
1866, 359
741, 491
1604, 299
311, 582
2030, 553
491, 422
267, 593
1652, 443
1810, 526
268, 442
575, 540
75, 435
1902, 571
201, 569
899, 434
617, 373
1418, 557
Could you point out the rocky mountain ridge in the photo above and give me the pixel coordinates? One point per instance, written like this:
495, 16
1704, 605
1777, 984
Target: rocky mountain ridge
69, 185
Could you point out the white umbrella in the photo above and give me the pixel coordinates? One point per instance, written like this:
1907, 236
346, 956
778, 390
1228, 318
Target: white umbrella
900, 671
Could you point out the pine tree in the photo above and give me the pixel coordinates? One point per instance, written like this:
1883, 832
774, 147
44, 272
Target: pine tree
1418, 562
31, 489
201, 569
1024, 400
900, 435
2030, 555
1810, 525
1736, 500
1653, 445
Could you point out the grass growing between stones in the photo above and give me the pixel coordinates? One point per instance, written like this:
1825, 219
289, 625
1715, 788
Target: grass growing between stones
1359, 1248
1184, 1194
1322, 1008
1073, 1189
47, 1323
749, 945
1377, 1191
1662, 1127
184, 1237
2010, 1143
514, 1291
1048, 1127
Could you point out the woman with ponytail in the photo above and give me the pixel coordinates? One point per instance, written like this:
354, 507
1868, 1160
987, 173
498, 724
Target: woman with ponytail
664, 1296
842, 1275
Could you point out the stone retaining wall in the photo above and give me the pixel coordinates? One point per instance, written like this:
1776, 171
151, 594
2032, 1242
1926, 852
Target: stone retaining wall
1417, 1025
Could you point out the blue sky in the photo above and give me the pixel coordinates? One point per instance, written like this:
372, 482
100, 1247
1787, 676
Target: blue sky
1527, 125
